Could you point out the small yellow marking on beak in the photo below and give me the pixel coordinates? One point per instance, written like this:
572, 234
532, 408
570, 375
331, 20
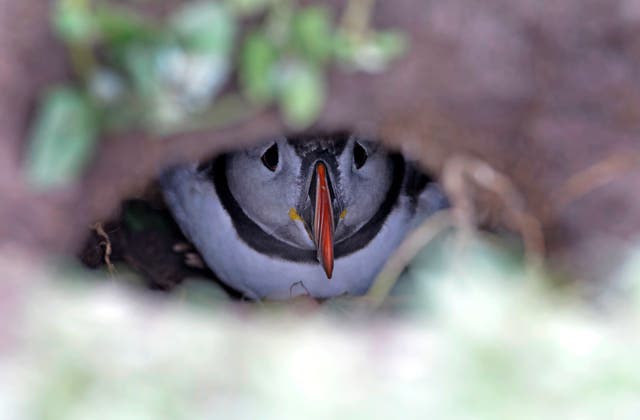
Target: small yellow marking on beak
293, 215
343, 214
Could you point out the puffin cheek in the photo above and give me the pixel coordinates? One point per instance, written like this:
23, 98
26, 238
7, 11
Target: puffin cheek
304, 237
343, 230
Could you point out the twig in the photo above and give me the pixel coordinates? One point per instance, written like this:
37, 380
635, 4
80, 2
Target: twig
298, 283
226, 111
356, 18
410, 247
106, 243
461, 172
594, 177
460, 175
82, 60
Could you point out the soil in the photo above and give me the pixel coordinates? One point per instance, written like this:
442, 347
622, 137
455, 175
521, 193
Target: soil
541, 92
144, 236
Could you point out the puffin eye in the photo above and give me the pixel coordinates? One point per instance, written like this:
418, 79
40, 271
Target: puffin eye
270, 157
359, 155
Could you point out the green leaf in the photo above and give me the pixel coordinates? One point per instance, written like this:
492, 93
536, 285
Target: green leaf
248, 7
140, 64
120, 26
74, 22
302, 94
372, 54
391, 44
147, 88
63, 138
205, 27
257, 66
139, 216
312, 33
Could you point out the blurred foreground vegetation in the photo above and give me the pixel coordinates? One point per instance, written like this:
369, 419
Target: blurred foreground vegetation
478, 336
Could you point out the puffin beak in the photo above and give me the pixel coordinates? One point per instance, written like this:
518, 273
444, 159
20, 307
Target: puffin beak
323, 220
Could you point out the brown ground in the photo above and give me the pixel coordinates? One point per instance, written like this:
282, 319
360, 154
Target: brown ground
540, 90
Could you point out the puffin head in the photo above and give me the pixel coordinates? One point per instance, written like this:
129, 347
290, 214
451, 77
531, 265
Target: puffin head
311, 194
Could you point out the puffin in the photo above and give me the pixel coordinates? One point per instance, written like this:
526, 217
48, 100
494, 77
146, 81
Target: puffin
316, 216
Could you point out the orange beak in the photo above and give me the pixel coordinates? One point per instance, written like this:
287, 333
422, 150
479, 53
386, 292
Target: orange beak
323, 220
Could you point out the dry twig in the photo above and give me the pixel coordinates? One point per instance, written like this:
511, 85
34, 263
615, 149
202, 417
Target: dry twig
462, 173
594, 177
410, 247
106, 243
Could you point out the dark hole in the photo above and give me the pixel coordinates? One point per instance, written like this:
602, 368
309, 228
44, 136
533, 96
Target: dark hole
270, 157
359, 155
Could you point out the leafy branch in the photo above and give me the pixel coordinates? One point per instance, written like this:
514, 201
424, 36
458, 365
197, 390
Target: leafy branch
207, 64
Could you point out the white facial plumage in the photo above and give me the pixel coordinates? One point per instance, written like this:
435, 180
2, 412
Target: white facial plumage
269, 191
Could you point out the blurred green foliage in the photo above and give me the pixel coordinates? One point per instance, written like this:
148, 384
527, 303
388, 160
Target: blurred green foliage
171, 75
63, 139
301, 93
486, 338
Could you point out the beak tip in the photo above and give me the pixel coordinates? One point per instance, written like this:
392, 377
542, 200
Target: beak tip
323, 221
